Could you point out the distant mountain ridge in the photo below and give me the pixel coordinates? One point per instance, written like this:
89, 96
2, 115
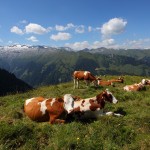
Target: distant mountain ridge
43, 65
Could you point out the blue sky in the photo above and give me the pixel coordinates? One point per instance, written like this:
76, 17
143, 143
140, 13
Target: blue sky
77, 24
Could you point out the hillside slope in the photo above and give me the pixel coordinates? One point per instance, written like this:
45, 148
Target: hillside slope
10, 84
132, 131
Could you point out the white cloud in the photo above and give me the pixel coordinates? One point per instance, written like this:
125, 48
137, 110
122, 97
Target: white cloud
78, 45
60, 36
89, 28
16, 30
49, 29
35, 28
23, 21
80, 29
108, 43
113, 26
63, 28
32, 38
140, 43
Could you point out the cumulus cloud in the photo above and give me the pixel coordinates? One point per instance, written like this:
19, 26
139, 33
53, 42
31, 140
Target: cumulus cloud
113, 26
78, 45
32, 38
60, 36
63, 28
80, 29
16, 30
108, 43
89, 28
140, 43
35, 28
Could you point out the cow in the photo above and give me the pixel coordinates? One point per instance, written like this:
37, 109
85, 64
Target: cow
53, 110
109, 82
135, 87
104, 83
56, 110
83, 75
119, 80
145, 81
93, 108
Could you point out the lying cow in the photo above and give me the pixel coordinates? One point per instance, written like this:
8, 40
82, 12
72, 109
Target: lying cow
83, 75
119, 80
145, 81
134, 87
53, 110
92, 108
105, 83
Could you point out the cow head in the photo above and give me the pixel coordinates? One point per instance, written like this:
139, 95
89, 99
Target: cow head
121, 79
106, 96
144, 81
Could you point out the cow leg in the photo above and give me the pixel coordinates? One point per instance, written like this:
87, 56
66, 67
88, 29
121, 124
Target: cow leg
87, 82
112, 114
105, 113
74, 81
109, 113
77, 83
53, 119
59, 121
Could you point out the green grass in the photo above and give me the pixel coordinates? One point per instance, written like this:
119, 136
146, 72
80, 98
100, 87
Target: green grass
130, 132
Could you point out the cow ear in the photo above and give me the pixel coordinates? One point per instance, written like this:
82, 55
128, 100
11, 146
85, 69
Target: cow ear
68, 102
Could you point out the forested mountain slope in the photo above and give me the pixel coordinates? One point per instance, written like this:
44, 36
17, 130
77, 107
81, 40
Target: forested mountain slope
10, 84
43, 66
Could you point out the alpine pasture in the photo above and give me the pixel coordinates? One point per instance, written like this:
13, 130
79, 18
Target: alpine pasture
129, 132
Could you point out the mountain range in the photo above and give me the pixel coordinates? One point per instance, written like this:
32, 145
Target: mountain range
43, 65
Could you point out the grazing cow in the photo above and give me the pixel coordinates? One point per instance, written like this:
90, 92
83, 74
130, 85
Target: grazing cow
53, 110
134, 87
83, 75
92, 108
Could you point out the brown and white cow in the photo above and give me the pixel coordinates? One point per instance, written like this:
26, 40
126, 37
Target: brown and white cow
134, 87
109, 82
83, 75
119, 80
53, 110
145, 81
92, 108
104, 83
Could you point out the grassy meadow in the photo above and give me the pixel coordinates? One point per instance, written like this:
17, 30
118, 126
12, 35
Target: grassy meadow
130, 132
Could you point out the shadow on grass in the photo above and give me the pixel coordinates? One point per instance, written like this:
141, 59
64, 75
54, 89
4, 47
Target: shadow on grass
120, 111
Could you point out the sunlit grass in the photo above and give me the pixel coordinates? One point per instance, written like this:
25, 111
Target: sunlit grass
132, 131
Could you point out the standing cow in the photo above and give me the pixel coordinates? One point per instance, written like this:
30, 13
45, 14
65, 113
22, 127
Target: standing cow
83, 75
